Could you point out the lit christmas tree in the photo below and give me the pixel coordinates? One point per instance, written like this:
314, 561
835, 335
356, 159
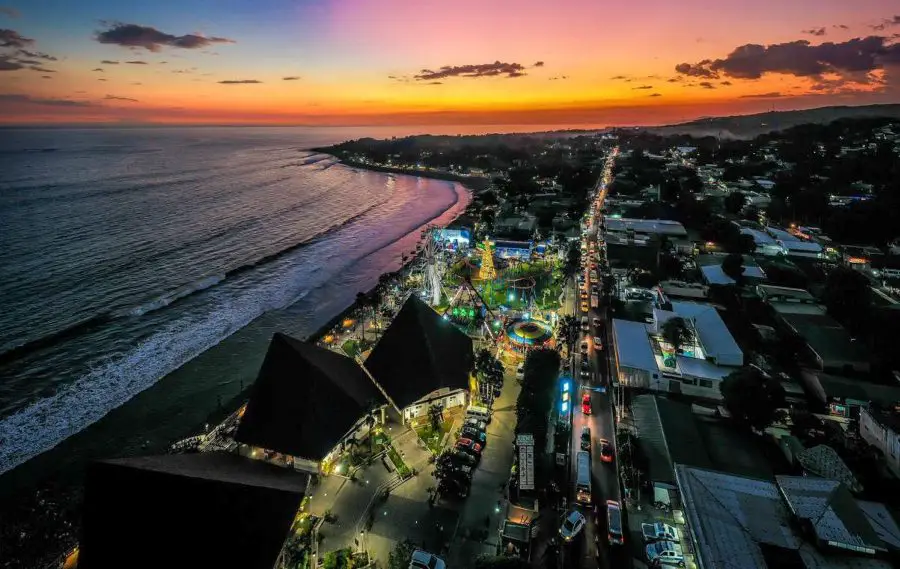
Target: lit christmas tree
487, 272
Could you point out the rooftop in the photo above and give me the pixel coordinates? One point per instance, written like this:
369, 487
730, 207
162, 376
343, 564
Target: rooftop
655, 226
696, 367
712, 332
668, 436
633, 345
827, 337
823, 461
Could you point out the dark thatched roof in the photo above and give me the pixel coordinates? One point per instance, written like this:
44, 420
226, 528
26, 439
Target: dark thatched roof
419, 353
209, 510
305, 399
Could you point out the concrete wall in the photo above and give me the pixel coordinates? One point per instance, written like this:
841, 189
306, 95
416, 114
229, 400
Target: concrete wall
882, 438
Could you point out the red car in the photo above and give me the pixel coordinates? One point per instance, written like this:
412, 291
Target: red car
586, 404
606, 451
469, 446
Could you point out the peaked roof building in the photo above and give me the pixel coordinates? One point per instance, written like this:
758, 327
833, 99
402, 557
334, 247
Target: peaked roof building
187, 510
419, 353
305, 400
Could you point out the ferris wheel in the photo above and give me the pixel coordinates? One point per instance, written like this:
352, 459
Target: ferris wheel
431, 264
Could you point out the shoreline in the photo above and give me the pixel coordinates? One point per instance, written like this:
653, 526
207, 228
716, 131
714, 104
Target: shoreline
60, 488
470, 182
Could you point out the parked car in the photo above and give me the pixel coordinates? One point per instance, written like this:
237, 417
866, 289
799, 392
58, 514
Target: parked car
472, 433
460, 458
584, 319
597, 323
572, 525
586, 403
584, 306
424, 560
468, 445
585, 438
606, 451
598, 343
584, 347
659, 531
664, 553
614, 523
453, 486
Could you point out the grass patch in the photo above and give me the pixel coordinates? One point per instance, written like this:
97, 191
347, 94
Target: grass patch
340, 559
401, 467
351, 348
433, 438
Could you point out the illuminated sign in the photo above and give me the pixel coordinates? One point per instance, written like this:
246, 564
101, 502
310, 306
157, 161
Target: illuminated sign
857, 260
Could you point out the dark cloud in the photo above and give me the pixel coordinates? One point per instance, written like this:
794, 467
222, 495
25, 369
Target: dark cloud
854, 57
17, 98
114, 98
655, 95
772, 95
12, 38
151, 39
436, 83
698, 70
9, 12
643, 87
290, 78
674, 80
137, 62
887, 23
480, 70
618, 78
37, 55
108, 62
46, 77
538, 64
841, 26
41, 69
815, 31
239, 82
706, 85
137, 83
104, 80
100, 69
559, 78
726, 83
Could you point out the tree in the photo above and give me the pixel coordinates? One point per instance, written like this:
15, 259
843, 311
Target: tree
573, 259
733, 266
676, 332
362, 303
847, 296
670, 266
734, 202
568, 331
644, 279
754, 400
370, 423
436, 416
401, 555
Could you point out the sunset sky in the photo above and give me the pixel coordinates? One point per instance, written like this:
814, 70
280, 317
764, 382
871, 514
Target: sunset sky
439, 62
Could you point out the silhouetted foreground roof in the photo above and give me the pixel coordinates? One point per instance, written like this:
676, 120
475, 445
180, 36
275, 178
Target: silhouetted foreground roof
305, 399
204, 510
419, 353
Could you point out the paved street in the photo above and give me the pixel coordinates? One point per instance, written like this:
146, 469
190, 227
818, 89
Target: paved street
478, 511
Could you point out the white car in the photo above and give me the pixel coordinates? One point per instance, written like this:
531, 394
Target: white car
424, 560
572, 525
664, 553
659, 531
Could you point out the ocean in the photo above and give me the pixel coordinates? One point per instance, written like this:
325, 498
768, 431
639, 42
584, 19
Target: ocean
143, 271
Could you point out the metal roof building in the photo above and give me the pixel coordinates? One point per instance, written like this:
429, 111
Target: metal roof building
713, 334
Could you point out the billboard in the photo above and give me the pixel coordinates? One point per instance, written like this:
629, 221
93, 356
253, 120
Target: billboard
525, 442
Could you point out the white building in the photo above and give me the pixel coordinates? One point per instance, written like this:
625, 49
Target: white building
444, 397
882, 431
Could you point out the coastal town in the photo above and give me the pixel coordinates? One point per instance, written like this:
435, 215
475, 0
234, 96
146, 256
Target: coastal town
630, 351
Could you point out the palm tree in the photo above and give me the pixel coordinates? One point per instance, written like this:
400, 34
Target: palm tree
361, 303
436, 416
675, 331
370, 423
568, 331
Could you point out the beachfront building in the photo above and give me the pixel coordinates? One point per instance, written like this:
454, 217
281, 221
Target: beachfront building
187, 510
422, 359
644, 359
306, 404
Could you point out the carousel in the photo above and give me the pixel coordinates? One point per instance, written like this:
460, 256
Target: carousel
523, 335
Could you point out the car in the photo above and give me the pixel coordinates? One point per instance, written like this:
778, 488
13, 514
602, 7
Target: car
424, 560
585, 373
586, 403
459, 458
598, 343
478, 436
664, 553
584, 294
469, 446
453, 486
572, 525
614, 523
585, 363
584, 307
584, 347
584, 323
659, 531
606, 451
520, 371
585, 438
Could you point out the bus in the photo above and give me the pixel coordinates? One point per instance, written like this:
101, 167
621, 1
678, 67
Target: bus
583, 480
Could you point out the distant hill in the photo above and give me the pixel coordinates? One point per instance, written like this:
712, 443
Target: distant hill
751, 126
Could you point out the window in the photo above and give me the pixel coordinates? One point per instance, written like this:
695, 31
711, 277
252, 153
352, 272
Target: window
706, 383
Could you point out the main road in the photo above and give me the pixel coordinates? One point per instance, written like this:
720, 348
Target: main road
593, 549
